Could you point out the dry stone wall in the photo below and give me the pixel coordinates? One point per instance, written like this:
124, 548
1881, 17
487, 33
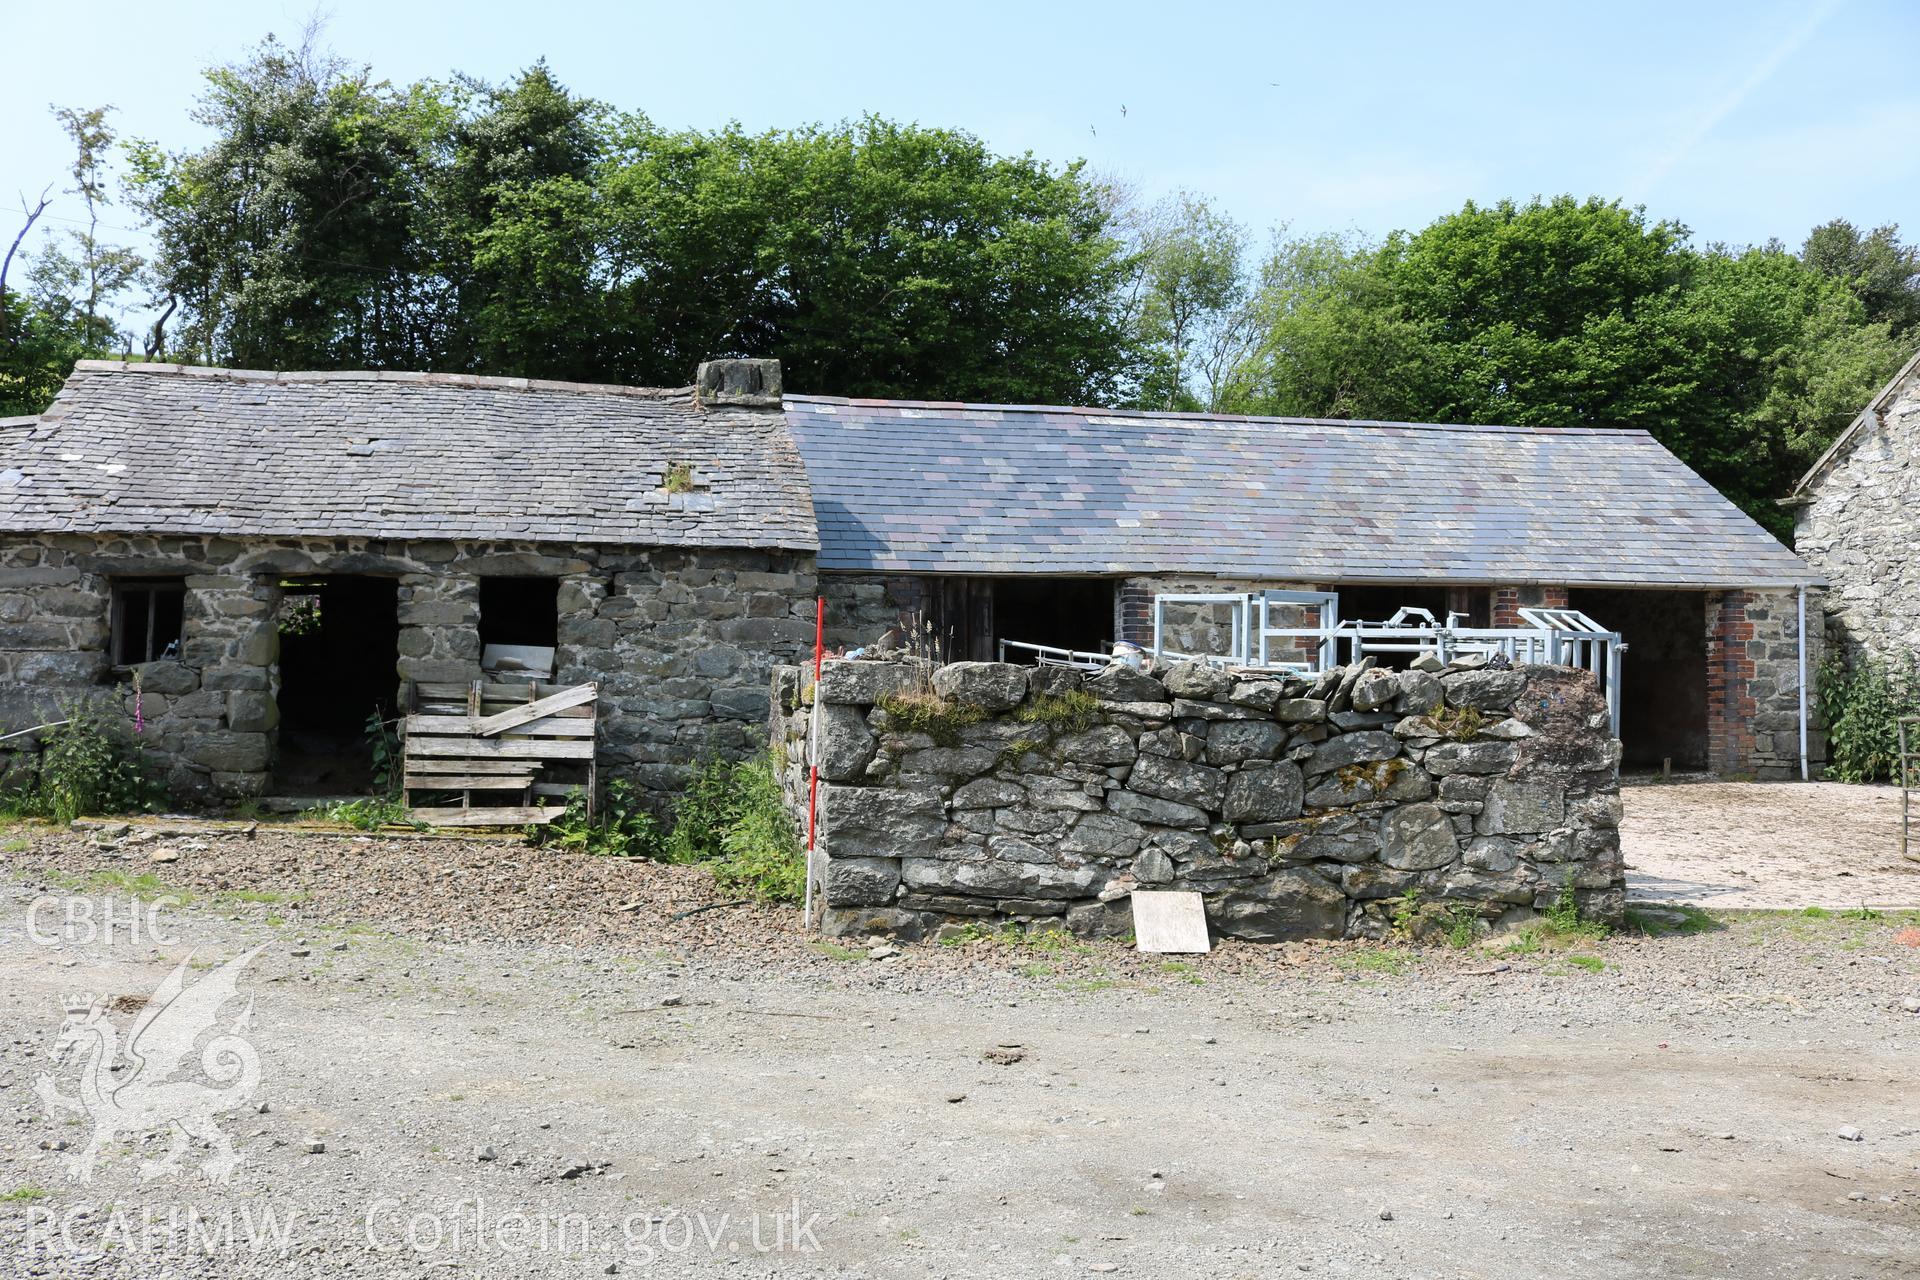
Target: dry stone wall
1298, 806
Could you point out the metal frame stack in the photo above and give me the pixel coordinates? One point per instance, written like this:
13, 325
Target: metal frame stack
1564, 637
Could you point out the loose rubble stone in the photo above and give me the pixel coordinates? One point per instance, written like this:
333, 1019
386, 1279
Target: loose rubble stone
992, 686
1483, 690
1198, 680
1121, 683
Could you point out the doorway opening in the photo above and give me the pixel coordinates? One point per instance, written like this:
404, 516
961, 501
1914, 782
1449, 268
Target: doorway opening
339, 656
972, 615
1663, 673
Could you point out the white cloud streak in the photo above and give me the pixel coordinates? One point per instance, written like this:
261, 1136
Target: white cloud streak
1708, 122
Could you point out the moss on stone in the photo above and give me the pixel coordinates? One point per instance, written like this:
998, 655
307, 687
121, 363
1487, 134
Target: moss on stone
939, 718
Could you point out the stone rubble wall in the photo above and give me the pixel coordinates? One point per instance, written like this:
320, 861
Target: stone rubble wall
680, 640
1859, 529
1298, 806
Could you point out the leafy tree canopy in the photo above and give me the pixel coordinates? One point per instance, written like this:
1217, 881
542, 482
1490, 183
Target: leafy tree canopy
337, 220
1565, 313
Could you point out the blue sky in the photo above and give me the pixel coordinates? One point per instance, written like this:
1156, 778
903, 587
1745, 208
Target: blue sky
1744, 121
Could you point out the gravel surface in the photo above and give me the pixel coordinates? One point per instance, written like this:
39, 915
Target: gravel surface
1767, 845
471, 1031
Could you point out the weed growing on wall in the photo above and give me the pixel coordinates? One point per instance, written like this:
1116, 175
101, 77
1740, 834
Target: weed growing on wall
729, 819
1074, 711
939, 718
1861, 702
88, 765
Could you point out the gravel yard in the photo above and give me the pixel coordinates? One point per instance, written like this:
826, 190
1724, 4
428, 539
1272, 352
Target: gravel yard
1767, 845
475, 1030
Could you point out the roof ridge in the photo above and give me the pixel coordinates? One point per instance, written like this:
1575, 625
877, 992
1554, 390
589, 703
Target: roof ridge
420, 378
1173, 418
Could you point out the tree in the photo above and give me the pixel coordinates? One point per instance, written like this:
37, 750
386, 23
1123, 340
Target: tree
1192, 321
79, 283
75, 279
1881, 271
1574, 313
339, 221
290, 241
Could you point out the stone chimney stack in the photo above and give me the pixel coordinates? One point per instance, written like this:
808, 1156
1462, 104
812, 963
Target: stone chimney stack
753, 384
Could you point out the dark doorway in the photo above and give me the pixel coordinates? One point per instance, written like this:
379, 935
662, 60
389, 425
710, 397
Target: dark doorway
1663, 673
520, 611
1067, 613
339, 640
970, 616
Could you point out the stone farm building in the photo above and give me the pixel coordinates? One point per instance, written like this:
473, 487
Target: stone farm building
1857, 521
664, 545
276, 554
1057, 526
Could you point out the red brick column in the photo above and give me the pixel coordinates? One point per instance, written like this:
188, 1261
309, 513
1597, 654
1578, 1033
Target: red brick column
1508, 601
1731, 704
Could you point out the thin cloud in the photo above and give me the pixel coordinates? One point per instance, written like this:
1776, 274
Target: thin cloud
1707, 123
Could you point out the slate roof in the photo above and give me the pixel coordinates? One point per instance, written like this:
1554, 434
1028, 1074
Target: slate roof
170, 449
1017, 489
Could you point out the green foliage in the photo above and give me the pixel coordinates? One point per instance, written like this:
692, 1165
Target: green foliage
336, 220
1574, 313
731, 818
1564, 914
1388, 960
1074, 711
1592, 964
1876, 267
1406, 910
701, 813
368, 813
939, 718
623, 828
1463, 928
761, 855
1861, 703
89, 765
1191, 323
383, 746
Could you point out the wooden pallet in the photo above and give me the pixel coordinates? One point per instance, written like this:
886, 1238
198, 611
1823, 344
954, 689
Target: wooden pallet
494, 737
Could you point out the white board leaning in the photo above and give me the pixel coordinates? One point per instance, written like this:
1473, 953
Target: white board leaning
1169, 921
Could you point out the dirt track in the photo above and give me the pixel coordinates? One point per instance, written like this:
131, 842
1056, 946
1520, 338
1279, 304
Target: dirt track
1251, 1113
1767, 845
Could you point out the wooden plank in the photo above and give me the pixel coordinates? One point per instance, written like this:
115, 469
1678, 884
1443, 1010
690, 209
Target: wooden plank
565, 790
440, 764
538, 709
490, 690
514, 816
565, 713
550, 727
468, 782
507, 748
